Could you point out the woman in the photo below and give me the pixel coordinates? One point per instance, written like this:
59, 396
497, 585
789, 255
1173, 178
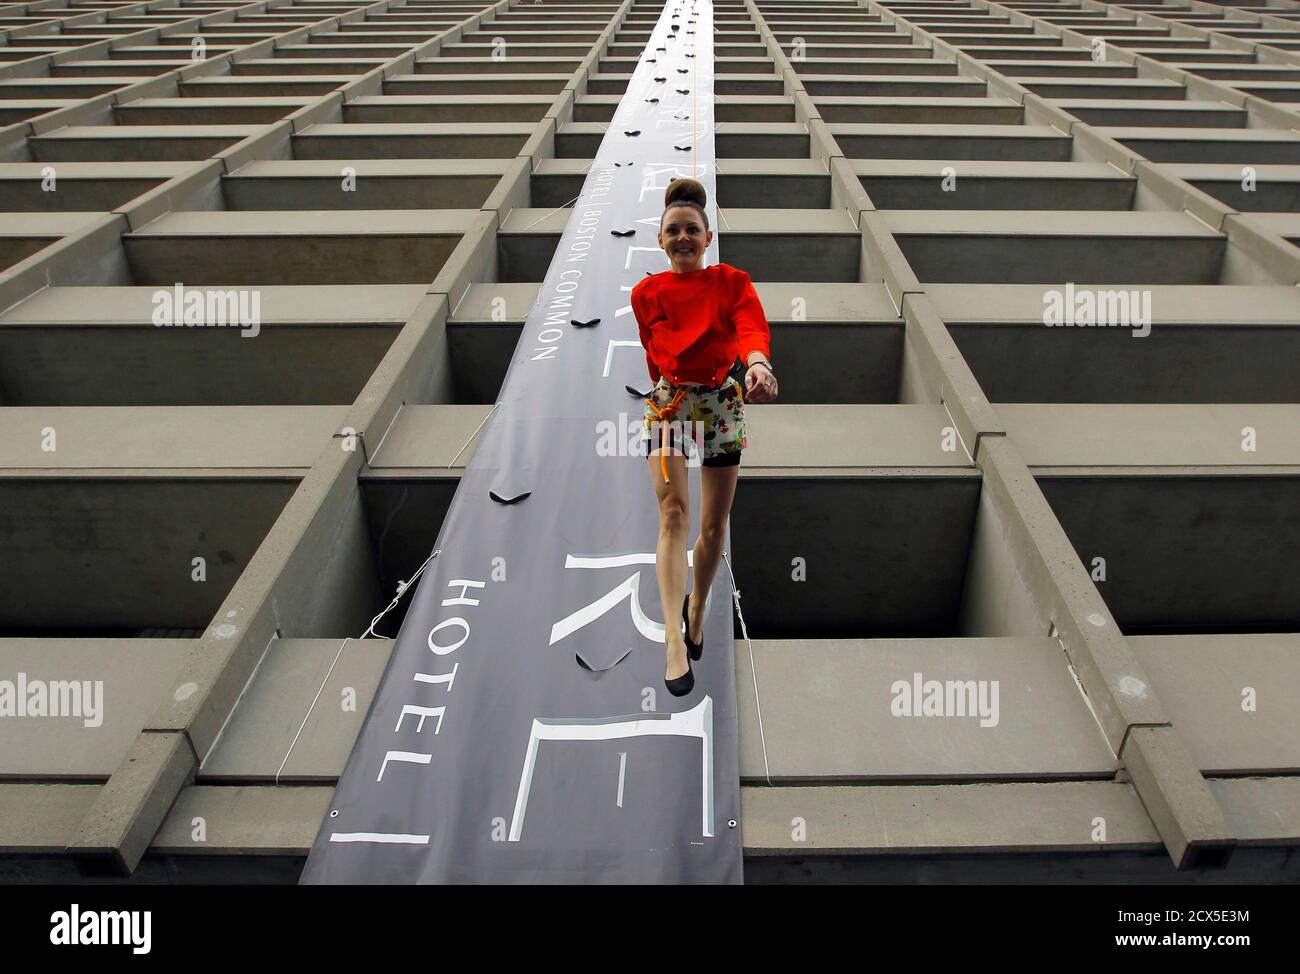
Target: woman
694, 322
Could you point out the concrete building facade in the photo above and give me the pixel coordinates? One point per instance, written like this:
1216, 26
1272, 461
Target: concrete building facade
1019, 545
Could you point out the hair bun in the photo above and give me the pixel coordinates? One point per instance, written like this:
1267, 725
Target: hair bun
686, 191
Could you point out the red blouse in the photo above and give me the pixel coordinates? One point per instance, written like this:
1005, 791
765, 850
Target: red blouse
694, 324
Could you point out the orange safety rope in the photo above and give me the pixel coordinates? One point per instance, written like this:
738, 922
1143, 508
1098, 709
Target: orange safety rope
694, 112
666, 414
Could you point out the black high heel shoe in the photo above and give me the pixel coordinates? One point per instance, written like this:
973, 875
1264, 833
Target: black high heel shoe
684, 684
693, 650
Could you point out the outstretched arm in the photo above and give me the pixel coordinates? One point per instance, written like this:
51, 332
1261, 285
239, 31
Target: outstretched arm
752, 332
754, 338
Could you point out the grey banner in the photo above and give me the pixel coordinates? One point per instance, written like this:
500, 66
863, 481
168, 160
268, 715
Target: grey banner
489, 753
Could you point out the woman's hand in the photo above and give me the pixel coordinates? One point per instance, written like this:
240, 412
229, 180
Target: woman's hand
760, 384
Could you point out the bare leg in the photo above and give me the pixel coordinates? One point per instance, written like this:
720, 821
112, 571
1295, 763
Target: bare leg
670, 554
718, 488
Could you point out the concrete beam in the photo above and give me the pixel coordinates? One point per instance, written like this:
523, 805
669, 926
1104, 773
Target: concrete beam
127, 811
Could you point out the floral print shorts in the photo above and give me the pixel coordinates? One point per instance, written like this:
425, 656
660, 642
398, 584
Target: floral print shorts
713, 418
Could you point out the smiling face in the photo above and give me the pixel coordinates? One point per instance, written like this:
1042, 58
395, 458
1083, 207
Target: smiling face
684, 238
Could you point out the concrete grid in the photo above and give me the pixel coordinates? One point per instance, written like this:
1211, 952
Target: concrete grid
1104, 523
